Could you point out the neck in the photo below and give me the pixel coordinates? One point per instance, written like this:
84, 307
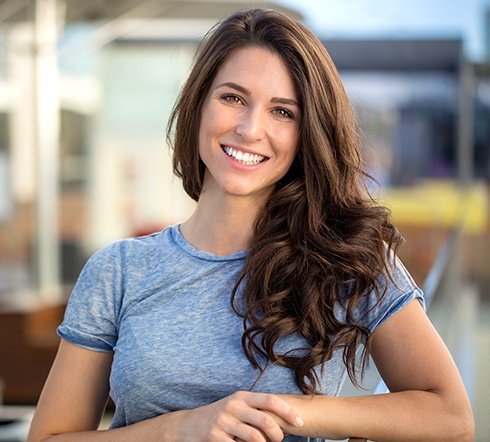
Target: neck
223, 225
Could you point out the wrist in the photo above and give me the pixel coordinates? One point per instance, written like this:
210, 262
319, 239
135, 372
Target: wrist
172, 426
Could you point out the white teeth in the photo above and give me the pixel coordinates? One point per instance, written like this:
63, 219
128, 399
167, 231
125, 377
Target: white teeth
243, 157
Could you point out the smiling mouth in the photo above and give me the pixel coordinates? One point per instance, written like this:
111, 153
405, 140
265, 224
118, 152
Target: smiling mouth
243, 157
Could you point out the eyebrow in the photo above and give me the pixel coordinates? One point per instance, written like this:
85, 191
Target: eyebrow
246, 91
285, 101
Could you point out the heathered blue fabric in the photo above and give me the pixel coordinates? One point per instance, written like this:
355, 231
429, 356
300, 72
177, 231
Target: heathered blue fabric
163, 308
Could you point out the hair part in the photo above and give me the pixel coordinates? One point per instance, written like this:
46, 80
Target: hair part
319, 236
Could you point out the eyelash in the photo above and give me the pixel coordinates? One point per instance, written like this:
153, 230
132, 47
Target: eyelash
235, 99
285, 113
231, 98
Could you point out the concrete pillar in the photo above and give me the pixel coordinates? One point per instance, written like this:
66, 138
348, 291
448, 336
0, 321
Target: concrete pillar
46, 125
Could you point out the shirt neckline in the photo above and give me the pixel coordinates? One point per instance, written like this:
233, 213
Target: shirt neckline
201, 254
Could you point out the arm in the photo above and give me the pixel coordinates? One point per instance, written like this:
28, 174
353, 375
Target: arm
427, 401
76, 392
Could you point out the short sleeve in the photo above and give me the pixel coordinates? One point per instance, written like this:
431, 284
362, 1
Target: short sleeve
396, 292
92, 310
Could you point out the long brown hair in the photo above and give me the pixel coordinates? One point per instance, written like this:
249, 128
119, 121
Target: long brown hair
319, 236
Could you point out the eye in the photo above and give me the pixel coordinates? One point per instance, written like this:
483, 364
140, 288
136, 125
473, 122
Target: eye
283, 113
232, 98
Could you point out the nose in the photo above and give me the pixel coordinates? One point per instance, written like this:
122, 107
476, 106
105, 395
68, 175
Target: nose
251, 126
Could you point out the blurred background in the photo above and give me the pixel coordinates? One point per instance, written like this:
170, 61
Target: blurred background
86, 88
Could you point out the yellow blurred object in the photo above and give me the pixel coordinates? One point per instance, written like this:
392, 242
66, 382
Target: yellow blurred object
439, 203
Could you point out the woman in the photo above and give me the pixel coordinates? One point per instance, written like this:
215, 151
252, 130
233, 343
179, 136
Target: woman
265, 141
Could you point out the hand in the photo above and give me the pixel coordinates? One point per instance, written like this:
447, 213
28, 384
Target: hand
243, 416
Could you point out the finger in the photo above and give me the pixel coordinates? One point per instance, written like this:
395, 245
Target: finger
276, 405
263, 421
247, 433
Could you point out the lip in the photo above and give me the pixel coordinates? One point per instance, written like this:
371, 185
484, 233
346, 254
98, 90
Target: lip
243, 149
240, 166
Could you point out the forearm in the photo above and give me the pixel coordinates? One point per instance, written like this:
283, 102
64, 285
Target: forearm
155, 429
403, 416
243, 415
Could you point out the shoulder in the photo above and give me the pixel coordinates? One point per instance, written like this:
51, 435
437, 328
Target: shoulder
111, 265
398, 278
123, 251
394, 290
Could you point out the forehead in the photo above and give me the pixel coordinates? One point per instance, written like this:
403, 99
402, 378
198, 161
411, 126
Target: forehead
257, 67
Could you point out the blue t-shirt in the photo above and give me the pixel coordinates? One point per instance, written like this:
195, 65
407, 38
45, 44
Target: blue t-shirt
163, 308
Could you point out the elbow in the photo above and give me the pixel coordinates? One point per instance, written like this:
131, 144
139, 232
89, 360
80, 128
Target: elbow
467, 429
463, 426
466, 434
35, 436
453, 421
41, 438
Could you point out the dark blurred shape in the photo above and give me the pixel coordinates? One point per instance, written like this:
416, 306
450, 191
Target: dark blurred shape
441, 125
418, 55
426, 141
28, 345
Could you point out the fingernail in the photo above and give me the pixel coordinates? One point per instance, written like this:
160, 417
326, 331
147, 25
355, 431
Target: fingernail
299, 421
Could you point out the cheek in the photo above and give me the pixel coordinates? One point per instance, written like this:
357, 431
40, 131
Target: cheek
209, 133
212, 125
206, 131
289, 143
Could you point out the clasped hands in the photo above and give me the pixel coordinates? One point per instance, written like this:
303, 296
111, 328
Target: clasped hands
243, 416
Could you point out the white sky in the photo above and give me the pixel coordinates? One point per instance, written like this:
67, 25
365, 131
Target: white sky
397, 19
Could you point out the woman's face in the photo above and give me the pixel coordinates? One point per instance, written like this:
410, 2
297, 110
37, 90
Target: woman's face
250, 118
